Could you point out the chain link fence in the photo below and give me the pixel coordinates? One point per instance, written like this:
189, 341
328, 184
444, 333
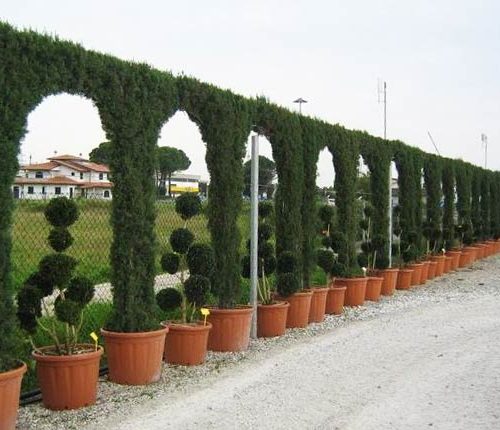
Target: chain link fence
93, 235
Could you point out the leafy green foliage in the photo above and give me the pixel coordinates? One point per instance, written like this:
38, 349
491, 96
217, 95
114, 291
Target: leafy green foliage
287, 284
168, 161
169, 298
61, 212
266, 209
80, 290
187, 205
181, 239
60, 239
68, 311
200, 260
101, 154
325, 259
196, 289
267, 174
170, 262
56, 270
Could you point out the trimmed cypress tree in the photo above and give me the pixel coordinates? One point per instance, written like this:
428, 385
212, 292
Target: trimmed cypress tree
432, 228
448, 179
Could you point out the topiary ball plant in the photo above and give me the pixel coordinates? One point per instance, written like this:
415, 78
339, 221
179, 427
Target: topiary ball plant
266, 261
288, 282
55, 278
197, 258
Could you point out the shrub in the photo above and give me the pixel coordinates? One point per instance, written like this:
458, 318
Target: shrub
61, 212
187, 205
170, 262
169, 299
60, 239
181, 239
200, 260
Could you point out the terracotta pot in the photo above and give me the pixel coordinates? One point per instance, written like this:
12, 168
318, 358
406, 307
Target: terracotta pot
271, 319
432, 270
425, 272
455, 255
373, 288
68, 381
318, 305
134, 358
10, 388
335, 300
404, 279
448, 261
439, 259
474, 253
390, 279
231, 329
417, 272
186, 344
465, 258
298, 312
355, 292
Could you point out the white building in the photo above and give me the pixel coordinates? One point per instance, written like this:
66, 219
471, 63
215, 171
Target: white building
63, 175
184, 183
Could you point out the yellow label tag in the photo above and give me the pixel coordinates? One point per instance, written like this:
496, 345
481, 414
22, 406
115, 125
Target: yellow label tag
205, 312
94, 336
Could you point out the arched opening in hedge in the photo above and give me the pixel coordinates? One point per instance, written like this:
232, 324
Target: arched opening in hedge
61, 131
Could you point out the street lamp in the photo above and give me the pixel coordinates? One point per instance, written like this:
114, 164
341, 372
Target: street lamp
300, 100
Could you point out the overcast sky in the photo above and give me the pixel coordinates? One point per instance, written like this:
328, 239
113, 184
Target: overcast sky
440, 60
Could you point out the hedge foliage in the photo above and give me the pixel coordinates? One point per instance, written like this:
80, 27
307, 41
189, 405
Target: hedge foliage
134, 101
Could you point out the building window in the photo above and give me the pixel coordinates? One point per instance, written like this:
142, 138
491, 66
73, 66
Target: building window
72, 173
101, 176
81, 175
31, 190
106, 194
57, 190
39, 175
27, 175
43, 190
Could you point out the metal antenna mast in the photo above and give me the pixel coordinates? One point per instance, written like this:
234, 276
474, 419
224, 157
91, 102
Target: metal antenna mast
433, 143
484, 141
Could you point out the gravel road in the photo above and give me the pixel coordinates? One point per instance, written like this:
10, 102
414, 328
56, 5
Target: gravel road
425, 358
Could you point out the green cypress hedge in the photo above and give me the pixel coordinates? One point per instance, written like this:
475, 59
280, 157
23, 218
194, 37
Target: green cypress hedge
448, 181
433, 225
134, 101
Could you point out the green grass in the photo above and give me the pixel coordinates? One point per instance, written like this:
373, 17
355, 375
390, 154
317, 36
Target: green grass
93, 236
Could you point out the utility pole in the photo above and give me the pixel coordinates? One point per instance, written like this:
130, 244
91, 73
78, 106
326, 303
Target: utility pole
484, 141
300, 100
382, 90
254, 226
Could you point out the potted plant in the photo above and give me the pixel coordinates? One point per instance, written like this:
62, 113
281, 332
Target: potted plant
402, 252
464, 237
11, 369
371, 249
67, 370
187, 338
271, 313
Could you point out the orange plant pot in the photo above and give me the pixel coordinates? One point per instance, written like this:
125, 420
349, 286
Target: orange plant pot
271, 319
455, 255
439, 259
318, 305
231, 329
68, 381
404, 279
186, 344
431, 274
425, 272
390, 279
355, 292
373, 288
298, 312
335, 300
10, 388
448, 263
417, 272
134, 358
465, 258
474, 253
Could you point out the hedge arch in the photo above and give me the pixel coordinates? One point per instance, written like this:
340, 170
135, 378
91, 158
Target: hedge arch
134, 101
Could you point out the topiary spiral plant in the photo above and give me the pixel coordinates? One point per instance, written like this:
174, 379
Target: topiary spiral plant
265, 254
198, 258
54, 283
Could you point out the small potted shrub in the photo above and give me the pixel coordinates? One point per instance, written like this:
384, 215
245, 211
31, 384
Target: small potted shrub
11, 369
67, 370
325, 259
289, 287
406, 254
371, 251
464, 237
186, 340
271, 313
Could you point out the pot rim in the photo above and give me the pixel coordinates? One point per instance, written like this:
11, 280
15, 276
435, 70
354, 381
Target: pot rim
319, 288
69, 358
180, 326
337, 287
278, 304
133, 334
13, 373
239, 309
375, 278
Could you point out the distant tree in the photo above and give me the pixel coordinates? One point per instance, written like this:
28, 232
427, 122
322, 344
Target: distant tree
168, 161
363, 185
267, 173
101, 154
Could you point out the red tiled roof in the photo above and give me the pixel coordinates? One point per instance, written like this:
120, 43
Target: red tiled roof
56, 180
40, 166
66, 157
94, 166
96, 185
73, 165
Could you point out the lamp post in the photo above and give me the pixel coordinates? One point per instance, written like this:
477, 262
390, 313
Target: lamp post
300, 100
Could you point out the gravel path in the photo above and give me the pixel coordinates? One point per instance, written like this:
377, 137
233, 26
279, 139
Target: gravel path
426, 358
